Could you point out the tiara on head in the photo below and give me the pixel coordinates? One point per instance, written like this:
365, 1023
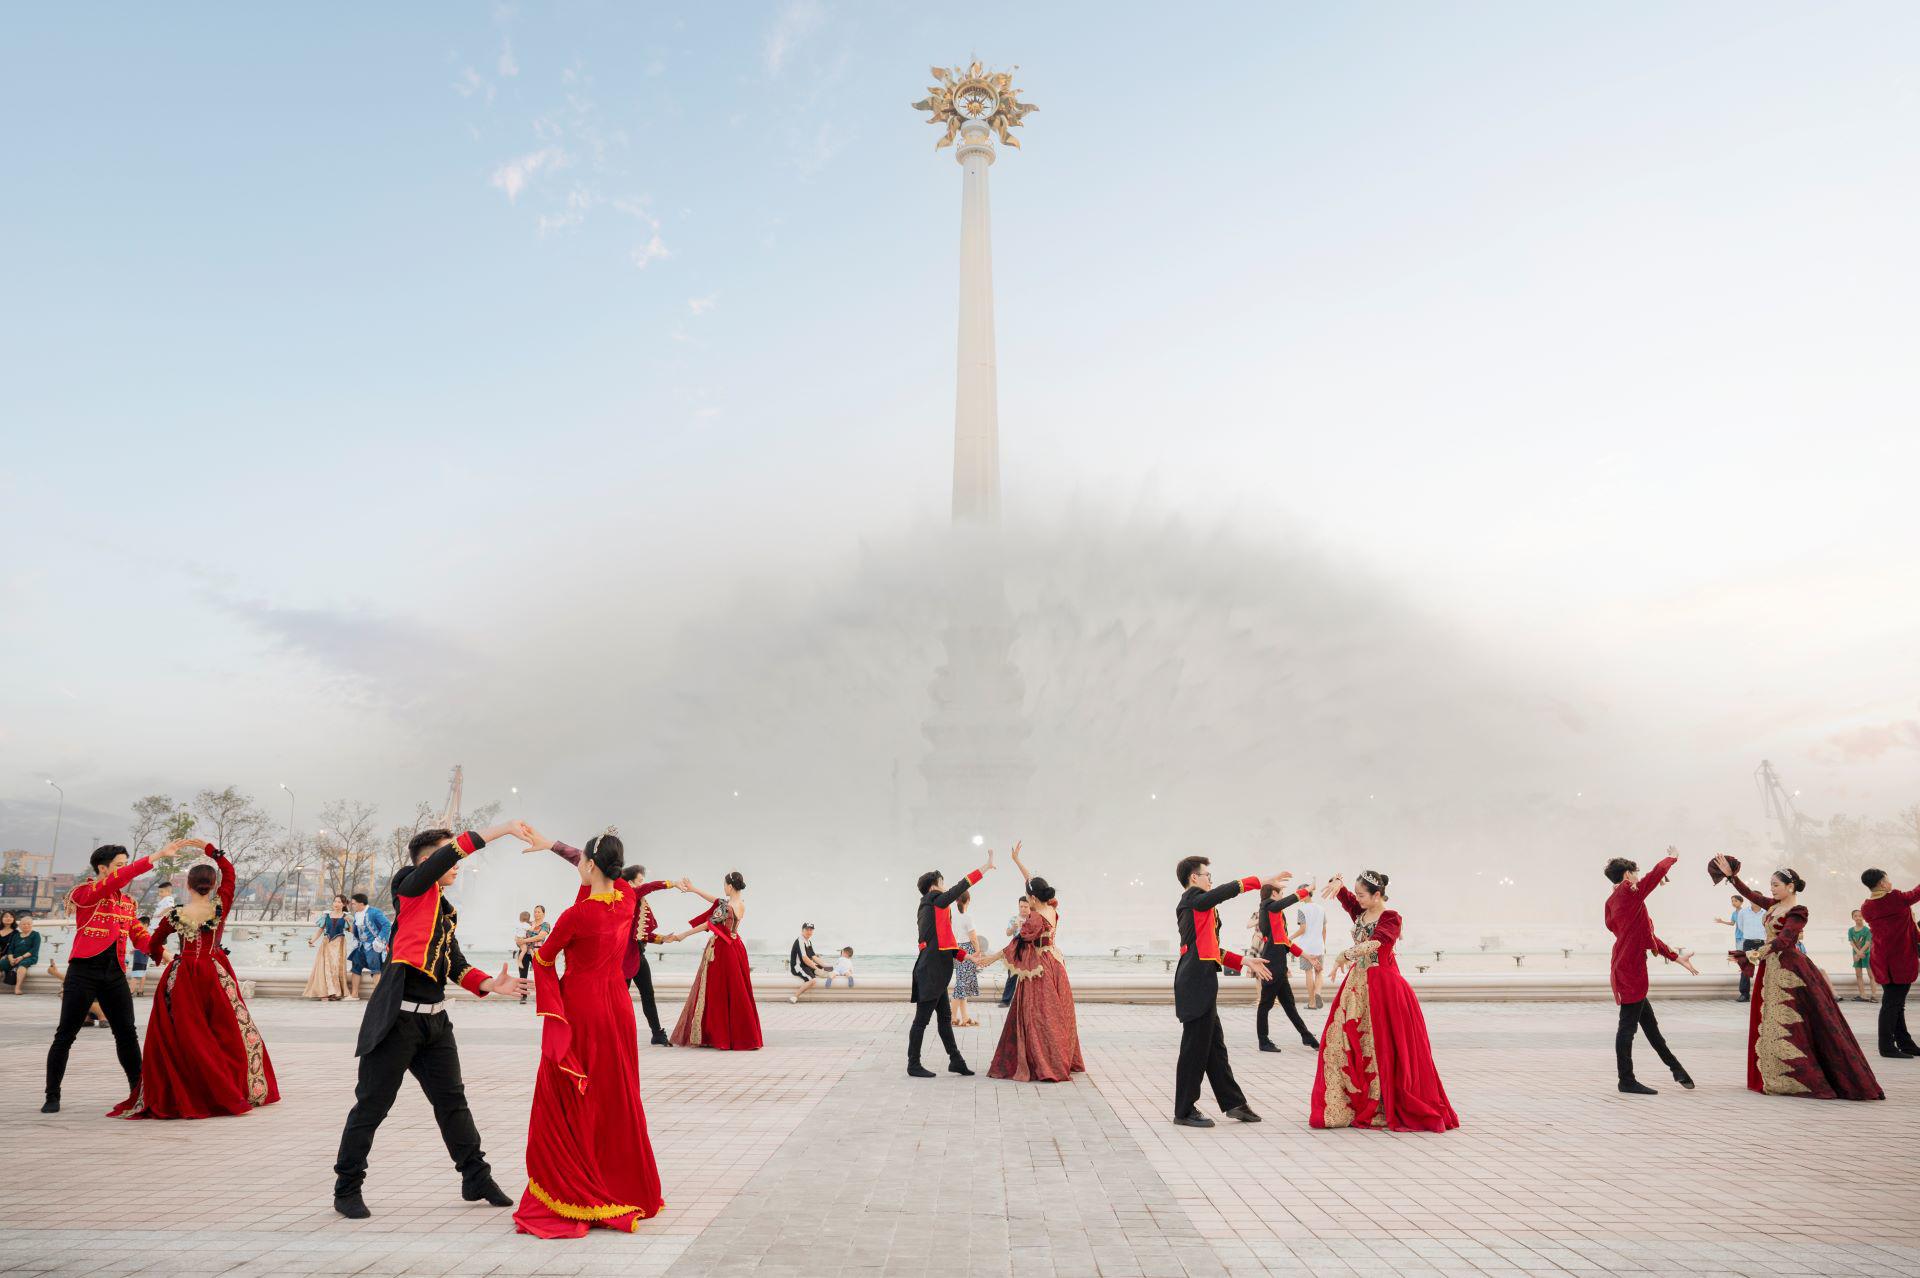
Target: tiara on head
1373, 880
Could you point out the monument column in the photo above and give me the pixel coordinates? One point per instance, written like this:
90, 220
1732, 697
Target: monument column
976, 413
976, 107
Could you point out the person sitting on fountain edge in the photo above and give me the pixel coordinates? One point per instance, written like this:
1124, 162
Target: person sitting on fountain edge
1196, 992
405, 1028
933, 967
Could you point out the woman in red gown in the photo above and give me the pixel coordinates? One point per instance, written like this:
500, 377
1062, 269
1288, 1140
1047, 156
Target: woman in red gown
719, 1010
1376, 1067
589, 1161
1798, 1043
204, 1055
1040, 1039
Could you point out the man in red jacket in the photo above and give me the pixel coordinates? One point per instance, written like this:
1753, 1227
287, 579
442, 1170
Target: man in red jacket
1895, 962
103, 919
1633, 940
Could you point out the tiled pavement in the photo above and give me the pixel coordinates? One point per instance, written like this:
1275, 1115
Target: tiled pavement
818, 1156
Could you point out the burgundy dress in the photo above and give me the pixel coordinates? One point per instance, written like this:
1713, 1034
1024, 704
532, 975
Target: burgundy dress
589, 1160
1798, 1043
1376, 1067
204, 1055
1040, 1041
719, 1010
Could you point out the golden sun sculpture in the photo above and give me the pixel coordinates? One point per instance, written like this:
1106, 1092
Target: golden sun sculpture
961, 96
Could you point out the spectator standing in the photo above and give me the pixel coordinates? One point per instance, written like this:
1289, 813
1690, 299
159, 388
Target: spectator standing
1860, 939
966, 972
137, 960
1310, 934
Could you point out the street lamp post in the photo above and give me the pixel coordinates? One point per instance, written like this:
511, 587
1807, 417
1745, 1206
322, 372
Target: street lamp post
283, 786
58, 812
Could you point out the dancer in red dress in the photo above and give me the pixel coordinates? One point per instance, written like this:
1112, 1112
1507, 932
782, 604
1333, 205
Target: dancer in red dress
589, 1161
1798, 1043
719, 1010
1376, 1066
1633, 940
1040, 1039
204, 1055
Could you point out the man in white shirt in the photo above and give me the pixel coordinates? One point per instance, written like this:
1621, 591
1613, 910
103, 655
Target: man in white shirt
166, 902
1310, 934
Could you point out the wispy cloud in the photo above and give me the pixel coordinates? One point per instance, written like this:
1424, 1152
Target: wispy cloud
513, 176
644, 255
579, 200
507, 65
701, 305
470, 82
796, 20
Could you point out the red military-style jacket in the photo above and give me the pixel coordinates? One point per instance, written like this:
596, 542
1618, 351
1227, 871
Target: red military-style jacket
1633, 937
104, 916
1196, 977
1890, 916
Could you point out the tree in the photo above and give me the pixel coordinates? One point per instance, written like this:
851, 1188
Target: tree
157, 821
239, 827
346, 846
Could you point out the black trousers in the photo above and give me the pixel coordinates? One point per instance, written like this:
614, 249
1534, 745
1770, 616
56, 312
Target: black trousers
1639, 1016
922, 1013
1280, 990
526, 964
1894, 1035
1746, 969
424, 1047
95, 980
1203, 1051
643, 981
1006, 990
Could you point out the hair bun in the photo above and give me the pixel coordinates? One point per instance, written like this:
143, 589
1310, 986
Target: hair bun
1040, 890
736, 880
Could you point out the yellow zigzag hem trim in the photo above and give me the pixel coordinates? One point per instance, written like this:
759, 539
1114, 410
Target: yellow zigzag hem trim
573, 1211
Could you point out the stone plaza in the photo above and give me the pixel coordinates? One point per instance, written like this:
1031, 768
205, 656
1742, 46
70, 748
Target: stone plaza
818, 1156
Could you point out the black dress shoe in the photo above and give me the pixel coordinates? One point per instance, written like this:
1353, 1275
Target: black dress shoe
1310, 1042
958, 1066
1268, 1047
1633, 1088
352, 1206
1195, 1119
917, 1070
487, 1192
660, 1039
1244, 1113
1681, 1077
1895, 1055
53, 1103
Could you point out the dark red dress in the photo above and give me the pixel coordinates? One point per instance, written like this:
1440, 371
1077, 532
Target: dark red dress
204, 1055
589, 1160
1798, 1043
1376, 1067
719, 1010
1040, 1040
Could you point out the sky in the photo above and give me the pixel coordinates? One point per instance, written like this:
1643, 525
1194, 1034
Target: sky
348, 349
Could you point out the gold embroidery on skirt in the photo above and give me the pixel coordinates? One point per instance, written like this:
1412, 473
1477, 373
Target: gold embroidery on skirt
1774, 1054
1354, 1006
695, 1036
249, 1036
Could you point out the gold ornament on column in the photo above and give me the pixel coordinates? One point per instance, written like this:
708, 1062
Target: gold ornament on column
961, 96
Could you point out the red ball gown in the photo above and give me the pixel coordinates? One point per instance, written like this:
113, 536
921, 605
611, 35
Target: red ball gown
1798, 1043
204, 1055
589, 1161
1376, 1067
719, 1010
1040, 1040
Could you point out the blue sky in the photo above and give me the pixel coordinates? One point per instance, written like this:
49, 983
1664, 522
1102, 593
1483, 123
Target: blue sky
332, 333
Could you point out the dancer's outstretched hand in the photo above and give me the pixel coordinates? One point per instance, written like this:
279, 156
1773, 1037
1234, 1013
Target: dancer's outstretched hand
536, 841
1280, 880
506, 983
1256, 967
989, 858
1719, 863
505, 830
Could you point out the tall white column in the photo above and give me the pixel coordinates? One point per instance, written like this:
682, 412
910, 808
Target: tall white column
976, 415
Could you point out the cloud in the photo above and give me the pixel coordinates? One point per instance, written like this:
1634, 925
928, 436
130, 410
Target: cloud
1859, 745
652, 251
471, 82
391, 659
796, 20
701, 305
507, 65
513, 176
579, 200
